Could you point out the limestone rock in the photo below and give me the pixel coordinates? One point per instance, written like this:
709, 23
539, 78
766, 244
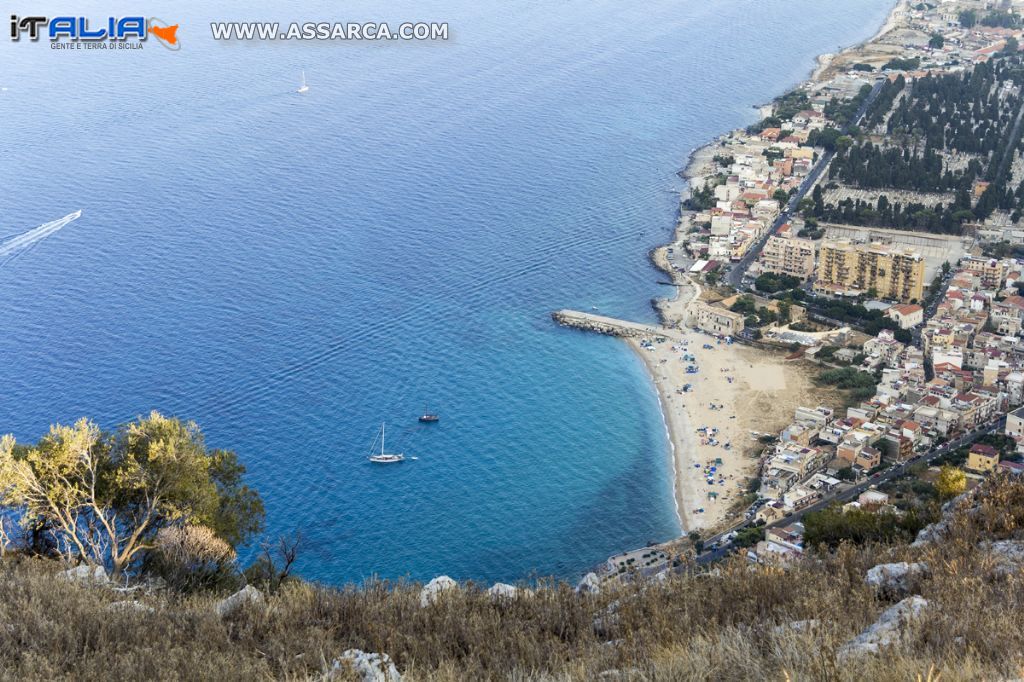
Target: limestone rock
231, 605
887, 631
590, 584
86, 575
430, 592
130, 605
620, 675
934, 532
796, 626
931, 533
895, 579
500, 591
370, 667
1008, 556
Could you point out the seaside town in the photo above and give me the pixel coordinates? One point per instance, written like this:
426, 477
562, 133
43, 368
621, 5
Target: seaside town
867, 229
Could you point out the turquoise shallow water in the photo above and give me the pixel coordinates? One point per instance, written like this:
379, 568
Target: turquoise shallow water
290, 271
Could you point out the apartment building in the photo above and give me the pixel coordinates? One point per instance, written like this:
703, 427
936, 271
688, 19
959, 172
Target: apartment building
891, 272
787, 254
990, 270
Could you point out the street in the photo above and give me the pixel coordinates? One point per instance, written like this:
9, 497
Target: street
739, 269
852, 492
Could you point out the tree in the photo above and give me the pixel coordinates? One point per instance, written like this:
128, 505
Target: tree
748, 536
784, 312
276, 561
103, 498
951, 482
846, 474
832, 526
936, 41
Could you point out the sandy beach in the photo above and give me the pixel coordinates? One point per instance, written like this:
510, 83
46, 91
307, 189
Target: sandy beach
735, 392
738, 392
717, 398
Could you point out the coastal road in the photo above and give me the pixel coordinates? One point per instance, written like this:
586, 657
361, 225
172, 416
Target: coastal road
739, 269
851, 493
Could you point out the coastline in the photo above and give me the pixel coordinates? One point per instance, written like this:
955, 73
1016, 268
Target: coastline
711, 440
683, 452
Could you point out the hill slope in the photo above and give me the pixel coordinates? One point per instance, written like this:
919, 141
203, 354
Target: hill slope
738, 622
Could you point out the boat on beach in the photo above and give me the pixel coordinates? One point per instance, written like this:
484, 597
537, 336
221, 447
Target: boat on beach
384, 457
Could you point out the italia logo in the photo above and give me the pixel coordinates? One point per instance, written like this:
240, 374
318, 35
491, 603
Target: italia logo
82, 29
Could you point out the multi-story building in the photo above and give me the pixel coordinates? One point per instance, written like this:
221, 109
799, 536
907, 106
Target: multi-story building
990, 270
850, 269
884, 349
787, 254
1015, 427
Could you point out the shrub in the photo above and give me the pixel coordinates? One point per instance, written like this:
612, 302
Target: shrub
192, 557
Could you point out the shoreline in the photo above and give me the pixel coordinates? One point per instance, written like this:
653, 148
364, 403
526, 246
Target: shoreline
674, 453
683, 453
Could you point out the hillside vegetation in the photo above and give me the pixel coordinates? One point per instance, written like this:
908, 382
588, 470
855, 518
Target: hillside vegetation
737, 621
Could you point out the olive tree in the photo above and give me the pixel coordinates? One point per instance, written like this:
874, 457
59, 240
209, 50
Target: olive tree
103, 497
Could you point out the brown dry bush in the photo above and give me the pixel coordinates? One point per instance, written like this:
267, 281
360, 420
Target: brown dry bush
732, 623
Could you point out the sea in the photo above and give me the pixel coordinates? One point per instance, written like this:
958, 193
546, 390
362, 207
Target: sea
291, 271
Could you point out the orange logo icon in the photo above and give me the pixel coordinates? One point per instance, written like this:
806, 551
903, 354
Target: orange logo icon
168, 35
165, 33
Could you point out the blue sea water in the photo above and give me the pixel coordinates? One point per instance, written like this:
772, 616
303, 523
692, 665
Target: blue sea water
290, 271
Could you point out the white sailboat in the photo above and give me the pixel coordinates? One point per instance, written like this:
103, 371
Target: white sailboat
385, 457
303, 87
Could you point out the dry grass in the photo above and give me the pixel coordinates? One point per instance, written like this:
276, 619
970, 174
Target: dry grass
719, 626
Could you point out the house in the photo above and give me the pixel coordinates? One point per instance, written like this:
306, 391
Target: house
1015, 427
868, 458
771, 512
871, 500
982, 458
845, 354
884, 349
715, 320
1012, 468
781, 543
906, 315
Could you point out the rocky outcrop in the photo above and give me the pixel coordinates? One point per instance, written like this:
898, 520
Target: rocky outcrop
607, 620
1008, 556
504, 591
888, 630
934, 532
368, 667
895, 580
590, 584
621, 675
228, 606
130, 606
87, 575
432, 590
796, 626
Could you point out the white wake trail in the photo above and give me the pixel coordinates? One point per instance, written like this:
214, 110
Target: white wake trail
19, 243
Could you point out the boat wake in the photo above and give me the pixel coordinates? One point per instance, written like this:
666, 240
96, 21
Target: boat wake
12, 247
